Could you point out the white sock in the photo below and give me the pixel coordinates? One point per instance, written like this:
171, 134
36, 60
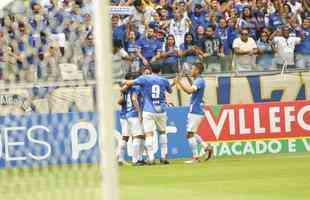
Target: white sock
193, 146
163, 141
135, 149
145, 150
149, 147
122, 150
141, 150
200, 141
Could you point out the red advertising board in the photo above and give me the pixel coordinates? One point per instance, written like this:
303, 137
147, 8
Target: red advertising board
256, 121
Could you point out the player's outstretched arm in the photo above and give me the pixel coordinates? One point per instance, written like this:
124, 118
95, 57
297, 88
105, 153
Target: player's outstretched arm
189, 89
128, 83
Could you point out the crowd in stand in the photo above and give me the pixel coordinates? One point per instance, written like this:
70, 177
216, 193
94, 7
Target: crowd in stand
239, 35
37, 36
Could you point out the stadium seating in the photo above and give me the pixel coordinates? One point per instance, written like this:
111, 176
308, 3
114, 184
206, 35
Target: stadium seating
49, 44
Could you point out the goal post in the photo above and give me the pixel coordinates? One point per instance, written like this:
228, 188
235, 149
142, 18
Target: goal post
103, 35
4, 3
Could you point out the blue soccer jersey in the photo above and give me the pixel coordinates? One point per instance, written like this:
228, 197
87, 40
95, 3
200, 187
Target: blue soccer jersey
130, 108
196, 101
154, 92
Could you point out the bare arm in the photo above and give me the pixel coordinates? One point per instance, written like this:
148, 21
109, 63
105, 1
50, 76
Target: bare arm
135, 102
120, 101
128, 83
189, 89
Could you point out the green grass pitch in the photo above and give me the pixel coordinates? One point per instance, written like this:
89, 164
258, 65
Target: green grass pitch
268, 177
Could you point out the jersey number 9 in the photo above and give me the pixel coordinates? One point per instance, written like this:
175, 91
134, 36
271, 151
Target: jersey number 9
155, 91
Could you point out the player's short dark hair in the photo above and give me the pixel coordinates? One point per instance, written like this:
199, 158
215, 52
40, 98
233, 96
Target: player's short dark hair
135, 75
132, 75
199, 66
155, 69
147, 68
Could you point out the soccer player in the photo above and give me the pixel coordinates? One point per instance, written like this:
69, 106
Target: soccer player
132, 122
125, 131
154, 114
196, 112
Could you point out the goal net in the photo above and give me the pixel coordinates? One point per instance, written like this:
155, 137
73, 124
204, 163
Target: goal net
52, 100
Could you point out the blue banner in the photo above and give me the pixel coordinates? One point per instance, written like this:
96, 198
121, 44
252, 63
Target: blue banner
48, 139
69, 138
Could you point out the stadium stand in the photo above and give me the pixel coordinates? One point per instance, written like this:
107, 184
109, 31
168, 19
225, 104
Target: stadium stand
47, 45
38, 36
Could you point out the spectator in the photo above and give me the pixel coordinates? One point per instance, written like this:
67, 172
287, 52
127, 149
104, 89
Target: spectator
133, 50
50, 71
118, 30
264, 58
156, 22
149, 47
10, 71
164, 18
141, 17
199, 36
292, 23
284, 47
213, 51
167, 60
182, 6
214, 9
244, 49
88, 50
248, 21
261, 20
303, 49
227, 36
275, 19
296, 8
197, 17
119, 63
189, 52
179, 26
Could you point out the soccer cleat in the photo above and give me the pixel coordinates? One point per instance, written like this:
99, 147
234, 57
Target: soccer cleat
122, 163
137, 164
164, 162
143, 162
192, 161
151, 162
209, 153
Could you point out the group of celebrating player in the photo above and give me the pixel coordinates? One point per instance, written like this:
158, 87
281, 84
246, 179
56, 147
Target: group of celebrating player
143, 111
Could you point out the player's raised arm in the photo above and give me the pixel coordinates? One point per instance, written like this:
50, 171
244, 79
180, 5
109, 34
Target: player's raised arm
127, 83
138, 81
191, 88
